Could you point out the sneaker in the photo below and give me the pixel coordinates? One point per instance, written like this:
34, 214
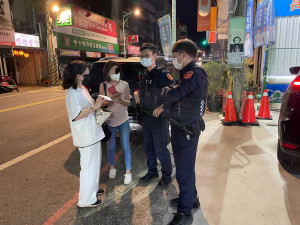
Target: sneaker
100, 192
182, 219
112, 173
128, 178
148, 177
97, 203
196, 204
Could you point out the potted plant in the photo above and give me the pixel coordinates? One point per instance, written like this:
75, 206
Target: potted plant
216, 72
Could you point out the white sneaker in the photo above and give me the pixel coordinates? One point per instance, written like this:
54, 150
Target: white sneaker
128, 178
112, 173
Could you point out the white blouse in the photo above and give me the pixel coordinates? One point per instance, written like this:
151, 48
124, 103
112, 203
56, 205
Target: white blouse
85, 131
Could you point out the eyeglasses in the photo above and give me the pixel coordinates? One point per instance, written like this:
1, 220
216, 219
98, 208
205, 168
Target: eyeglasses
174, 57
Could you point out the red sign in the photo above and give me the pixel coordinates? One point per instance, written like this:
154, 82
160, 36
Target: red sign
90, 21
7, 37
212, 37
133, 38
133, 50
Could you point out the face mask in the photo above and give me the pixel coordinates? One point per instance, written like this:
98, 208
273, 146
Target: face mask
115, 77
178, 66
146, 62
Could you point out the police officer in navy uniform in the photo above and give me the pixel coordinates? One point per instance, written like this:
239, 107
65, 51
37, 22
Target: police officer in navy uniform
155, 130
187, 101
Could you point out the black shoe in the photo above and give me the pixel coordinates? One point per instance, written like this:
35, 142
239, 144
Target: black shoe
100, 192
196, 204
182, 219
148, 177
164, 182
97, 203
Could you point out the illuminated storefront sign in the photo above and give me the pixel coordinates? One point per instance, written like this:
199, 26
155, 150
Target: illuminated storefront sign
65, 17
27, 40
68, 52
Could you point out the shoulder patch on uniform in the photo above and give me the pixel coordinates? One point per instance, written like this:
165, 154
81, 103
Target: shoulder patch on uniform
169, 76
188, 75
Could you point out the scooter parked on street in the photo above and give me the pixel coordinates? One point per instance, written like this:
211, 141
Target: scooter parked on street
7, 84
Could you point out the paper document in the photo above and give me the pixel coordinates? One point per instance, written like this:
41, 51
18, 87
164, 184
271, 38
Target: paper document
106, 98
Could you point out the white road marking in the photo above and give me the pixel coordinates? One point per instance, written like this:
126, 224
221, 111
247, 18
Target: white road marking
33, 152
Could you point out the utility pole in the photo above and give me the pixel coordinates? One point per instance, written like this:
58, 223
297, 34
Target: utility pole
239, 74
173, 22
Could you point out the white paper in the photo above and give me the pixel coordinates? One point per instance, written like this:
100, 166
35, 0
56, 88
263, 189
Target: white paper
106, 98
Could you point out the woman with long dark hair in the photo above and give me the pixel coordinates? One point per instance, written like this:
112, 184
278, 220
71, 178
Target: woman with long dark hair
86, 134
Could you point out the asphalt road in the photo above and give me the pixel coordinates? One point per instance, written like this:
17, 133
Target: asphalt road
40, 169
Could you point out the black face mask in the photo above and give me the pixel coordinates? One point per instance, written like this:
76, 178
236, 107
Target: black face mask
86, 79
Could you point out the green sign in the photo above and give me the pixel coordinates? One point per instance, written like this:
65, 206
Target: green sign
72, 42
65, 17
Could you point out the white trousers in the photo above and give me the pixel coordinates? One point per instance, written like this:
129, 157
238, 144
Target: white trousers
90, 163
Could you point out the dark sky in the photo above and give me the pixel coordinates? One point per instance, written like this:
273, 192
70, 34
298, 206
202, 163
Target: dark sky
187, 13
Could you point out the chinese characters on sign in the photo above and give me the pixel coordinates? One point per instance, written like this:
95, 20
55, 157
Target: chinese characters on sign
65, 17
295, 5
7, 37
27, 40
133, 50
203, 15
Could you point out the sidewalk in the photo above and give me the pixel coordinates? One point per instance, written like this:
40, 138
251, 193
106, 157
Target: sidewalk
239, 180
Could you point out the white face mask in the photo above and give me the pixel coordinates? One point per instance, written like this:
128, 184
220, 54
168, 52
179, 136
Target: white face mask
146, 62
115, 77
178, 66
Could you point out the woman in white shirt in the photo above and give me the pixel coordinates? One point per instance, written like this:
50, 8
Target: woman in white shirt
118, 90
86, 134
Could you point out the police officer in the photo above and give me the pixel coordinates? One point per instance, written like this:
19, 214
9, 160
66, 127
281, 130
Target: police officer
155, 130
187, 101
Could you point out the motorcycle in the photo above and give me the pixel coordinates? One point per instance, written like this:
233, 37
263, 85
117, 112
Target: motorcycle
7, 83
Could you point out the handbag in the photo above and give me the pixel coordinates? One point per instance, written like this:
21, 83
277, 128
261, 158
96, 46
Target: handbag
102, 115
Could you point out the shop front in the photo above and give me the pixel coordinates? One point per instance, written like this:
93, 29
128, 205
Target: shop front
83, 35
7, 41
29, 59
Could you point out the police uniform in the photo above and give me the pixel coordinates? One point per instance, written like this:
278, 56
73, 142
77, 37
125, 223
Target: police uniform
187, 101
155, 130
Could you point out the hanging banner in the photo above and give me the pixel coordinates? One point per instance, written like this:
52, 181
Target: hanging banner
203, 15
236, 42
5, 17
222, 22
264, 27
213, 18
212, 37
287, 8
164, 24
249, 30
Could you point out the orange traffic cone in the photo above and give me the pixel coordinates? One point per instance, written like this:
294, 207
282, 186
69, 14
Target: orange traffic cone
249, 112
243, 102
264, 110
230, 115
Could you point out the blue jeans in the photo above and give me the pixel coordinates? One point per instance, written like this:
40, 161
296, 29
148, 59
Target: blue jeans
124, 131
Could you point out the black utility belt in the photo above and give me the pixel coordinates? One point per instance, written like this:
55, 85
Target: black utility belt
195, 126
